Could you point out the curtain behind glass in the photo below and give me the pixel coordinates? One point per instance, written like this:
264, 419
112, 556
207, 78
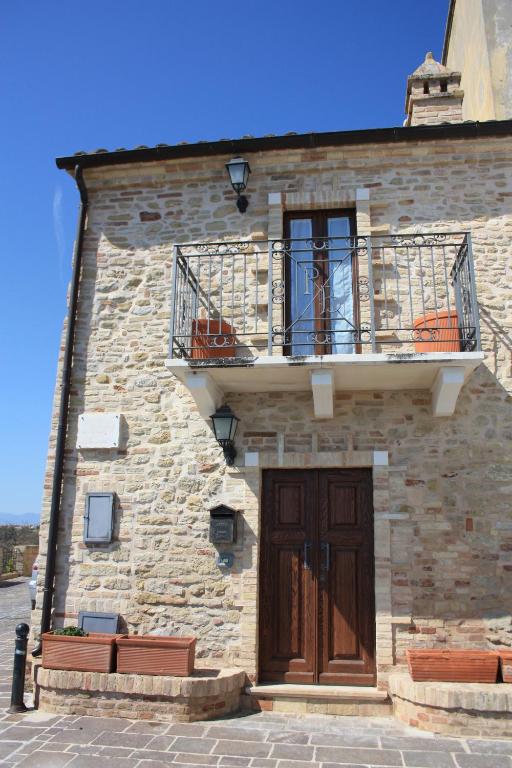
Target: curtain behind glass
341, 304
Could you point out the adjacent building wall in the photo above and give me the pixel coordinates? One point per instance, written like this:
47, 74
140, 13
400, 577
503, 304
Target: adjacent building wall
479, 45
443, 512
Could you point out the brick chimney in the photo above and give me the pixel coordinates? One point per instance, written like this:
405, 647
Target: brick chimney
434, 95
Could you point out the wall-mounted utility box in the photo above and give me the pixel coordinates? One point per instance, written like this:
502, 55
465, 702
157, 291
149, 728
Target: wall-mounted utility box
98, 518
99, 430
223, 524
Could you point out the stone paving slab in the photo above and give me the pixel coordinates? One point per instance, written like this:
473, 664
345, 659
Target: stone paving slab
428, 759
265, 740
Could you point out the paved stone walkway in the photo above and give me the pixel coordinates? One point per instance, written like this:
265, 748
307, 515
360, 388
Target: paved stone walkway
38, 740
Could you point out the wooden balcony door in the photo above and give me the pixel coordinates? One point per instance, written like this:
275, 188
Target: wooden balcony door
317, 615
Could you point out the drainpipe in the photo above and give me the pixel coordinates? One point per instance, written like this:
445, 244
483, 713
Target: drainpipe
58, 468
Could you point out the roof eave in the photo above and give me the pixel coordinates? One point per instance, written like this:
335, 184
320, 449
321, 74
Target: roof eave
294, 141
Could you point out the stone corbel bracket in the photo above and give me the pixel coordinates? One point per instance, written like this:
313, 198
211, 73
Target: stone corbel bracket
446, 390
206, 393
322, 384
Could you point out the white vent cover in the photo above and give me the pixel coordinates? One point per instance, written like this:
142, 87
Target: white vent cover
99, 430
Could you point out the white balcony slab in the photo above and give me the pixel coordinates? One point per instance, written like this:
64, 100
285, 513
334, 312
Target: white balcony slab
442, 373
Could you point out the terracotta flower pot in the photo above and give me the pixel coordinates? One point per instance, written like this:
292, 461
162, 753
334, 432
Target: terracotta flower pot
462, 666
437, 332
205, 345
506, 665
156, 655
94, 653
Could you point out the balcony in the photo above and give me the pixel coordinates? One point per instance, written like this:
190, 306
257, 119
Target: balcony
335, 313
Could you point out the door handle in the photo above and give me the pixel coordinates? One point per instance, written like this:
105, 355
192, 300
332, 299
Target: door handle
307, 549
326, 555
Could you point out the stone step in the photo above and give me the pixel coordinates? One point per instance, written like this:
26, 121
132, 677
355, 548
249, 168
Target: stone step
319, 699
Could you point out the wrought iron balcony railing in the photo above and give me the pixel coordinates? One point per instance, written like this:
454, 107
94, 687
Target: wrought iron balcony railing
336, 295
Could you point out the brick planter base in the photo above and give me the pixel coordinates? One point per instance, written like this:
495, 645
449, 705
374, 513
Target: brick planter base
456, 709
208, 694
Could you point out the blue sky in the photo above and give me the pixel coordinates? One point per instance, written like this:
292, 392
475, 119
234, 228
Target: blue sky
113, 73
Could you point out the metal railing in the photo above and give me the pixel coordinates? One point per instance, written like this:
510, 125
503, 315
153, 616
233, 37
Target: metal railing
317, 296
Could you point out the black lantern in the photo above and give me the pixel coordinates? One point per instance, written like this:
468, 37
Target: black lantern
224, 424
239, 170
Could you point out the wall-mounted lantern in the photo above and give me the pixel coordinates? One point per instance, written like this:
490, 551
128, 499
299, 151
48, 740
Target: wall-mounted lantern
239, 170
225, 424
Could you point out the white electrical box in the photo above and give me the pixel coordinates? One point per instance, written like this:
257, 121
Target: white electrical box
99, 430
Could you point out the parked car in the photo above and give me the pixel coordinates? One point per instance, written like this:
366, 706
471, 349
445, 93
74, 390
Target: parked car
32, 584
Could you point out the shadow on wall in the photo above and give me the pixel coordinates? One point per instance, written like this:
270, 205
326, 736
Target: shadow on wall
495, 332
460, 570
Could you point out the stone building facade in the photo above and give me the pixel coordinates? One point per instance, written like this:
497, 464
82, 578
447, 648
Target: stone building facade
442, 518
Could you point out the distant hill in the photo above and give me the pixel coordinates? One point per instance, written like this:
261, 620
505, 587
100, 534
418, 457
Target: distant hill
29, 519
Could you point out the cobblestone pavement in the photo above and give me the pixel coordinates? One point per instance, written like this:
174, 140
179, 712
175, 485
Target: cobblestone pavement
39, 740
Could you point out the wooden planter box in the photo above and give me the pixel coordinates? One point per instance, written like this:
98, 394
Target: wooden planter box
458, 666
445, 337
506, 665
155, 655
205, 345
94, 653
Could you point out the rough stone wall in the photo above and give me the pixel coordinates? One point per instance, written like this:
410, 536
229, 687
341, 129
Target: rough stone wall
450, 513
451, 563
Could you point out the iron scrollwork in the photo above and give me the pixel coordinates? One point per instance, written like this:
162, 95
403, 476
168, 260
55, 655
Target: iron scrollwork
364, 289
411, 240
320, 337
223, 249
279, 336
278, 291
425, 334
280, 249
363, 334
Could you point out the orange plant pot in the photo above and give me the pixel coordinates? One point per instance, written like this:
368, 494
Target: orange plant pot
205, 345
155, 655
94, 653
437, 332
453, 666
506, 665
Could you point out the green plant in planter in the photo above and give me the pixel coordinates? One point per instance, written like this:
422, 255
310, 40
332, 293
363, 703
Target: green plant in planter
71, 632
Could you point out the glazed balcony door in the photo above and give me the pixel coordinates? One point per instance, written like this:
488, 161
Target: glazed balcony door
321, 270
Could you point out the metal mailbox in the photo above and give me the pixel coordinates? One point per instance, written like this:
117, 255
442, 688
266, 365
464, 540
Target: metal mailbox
223, 524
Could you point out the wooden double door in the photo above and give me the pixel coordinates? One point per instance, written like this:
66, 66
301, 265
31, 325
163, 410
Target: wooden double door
317, 614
